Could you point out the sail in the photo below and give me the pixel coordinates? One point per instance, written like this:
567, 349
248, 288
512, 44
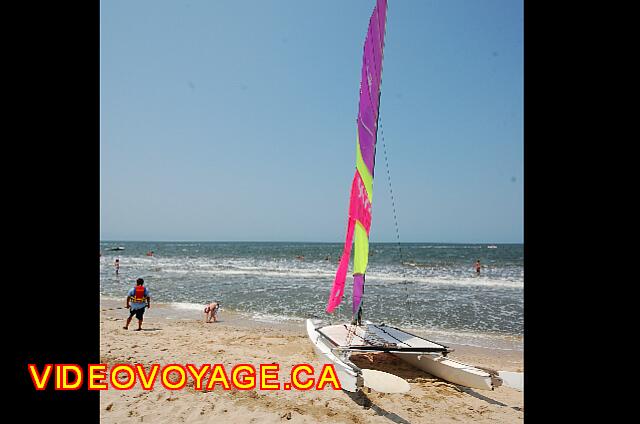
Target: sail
359, 221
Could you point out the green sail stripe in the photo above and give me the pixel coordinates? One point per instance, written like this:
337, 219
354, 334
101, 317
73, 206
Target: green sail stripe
361, 251
366, 176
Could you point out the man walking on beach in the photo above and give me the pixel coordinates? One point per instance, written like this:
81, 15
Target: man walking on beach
137, 300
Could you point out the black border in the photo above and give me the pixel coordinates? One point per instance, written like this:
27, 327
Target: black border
54, 203
51, 177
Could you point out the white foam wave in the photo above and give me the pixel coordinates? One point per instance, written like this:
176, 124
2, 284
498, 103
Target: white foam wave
509, 277
187, 306
448, 247
451, 281
372, 277
274, 318
475, 339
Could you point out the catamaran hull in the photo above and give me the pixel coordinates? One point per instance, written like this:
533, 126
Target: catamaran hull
335, 343
452, 371
350, 376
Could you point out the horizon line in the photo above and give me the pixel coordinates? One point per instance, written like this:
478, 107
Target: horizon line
294, 241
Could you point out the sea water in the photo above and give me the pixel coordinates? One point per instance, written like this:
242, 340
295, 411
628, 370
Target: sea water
431, 288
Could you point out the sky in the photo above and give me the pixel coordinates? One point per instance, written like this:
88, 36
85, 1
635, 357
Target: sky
235, 120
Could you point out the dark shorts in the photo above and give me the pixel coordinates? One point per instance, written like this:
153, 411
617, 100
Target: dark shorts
138, 313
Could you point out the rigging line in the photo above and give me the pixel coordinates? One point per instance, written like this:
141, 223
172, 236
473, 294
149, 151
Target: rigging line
351, 333
391, 335
395, 219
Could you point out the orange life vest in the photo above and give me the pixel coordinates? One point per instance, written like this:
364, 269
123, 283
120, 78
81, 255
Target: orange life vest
138, 295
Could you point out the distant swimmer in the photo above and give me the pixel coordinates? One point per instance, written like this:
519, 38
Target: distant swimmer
150, 253
138, 300
117, 265
301, 257
326, 258
478, 266
211, 311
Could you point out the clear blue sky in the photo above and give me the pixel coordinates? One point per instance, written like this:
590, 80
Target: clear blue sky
235, 119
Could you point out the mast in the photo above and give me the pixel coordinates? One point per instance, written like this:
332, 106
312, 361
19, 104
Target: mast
359, 221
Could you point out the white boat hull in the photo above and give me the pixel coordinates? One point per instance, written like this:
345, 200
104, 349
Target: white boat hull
353, 378
451, 370
335, 343
348, 374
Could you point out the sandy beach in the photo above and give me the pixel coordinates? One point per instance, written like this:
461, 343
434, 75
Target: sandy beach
174, 336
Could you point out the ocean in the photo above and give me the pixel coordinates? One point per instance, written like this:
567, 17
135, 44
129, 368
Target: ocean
430, 288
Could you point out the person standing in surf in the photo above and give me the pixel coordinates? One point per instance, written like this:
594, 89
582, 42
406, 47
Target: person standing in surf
138, 300
478, 266
117, 265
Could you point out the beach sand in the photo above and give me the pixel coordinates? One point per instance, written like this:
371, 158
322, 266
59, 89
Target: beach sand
172, 336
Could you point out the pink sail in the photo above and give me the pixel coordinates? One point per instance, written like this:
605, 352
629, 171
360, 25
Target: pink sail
359, 211
359, 221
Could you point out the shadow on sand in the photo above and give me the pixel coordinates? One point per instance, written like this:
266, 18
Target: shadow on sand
363, 400
477, 395
394, 365
387, 363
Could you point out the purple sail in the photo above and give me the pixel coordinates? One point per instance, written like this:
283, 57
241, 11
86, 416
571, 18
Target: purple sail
358, 291
359, 220
370, 84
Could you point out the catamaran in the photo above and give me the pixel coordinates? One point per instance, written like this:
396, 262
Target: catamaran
336, 343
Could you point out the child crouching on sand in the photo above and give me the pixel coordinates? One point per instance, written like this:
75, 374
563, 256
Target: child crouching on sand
211, 311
